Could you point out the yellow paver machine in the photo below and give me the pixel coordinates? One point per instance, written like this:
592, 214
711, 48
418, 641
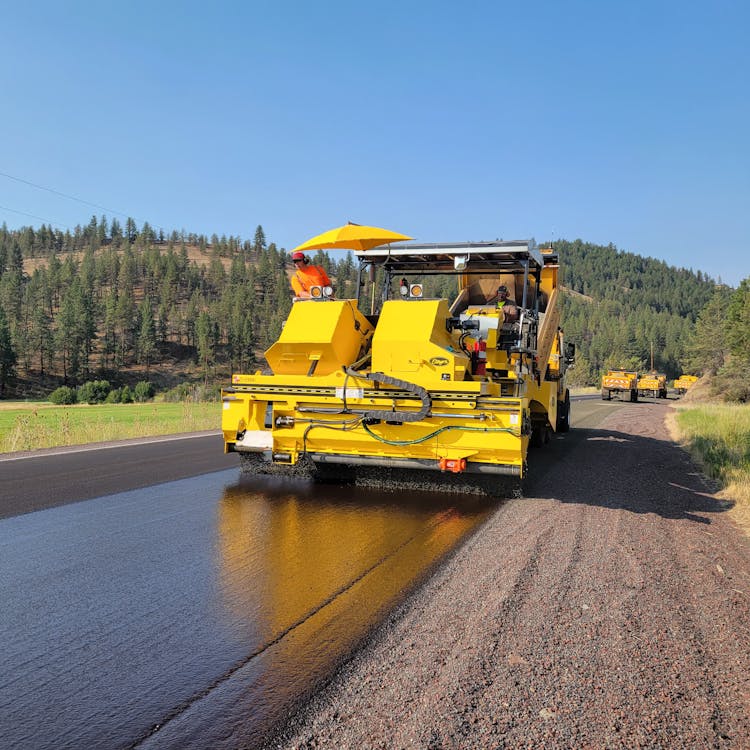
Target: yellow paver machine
401, 389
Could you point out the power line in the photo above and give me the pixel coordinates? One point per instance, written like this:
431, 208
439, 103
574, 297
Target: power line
63, 195
57, 224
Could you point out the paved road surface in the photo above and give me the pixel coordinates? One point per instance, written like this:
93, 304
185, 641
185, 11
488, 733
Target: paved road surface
56, 476
194, 612
608, 608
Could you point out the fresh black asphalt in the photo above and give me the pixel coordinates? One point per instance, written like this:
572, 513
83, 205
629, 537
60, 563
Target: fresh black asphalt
30, 482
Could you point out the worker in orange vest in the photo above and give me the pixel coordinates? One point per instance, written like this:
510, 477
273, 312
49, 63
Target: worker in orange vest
306, 275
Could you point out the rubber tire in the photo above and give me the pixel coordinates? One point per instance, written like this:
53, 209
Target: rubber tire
563, 414
537, 436
606, 394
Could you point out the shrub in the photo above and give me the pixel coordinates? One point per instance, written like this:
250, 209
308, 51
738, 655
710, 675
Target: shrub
732, 382
63, 395
194, 393
114, 396
126, 397
181, 392
144, 391
94, 391
209, 393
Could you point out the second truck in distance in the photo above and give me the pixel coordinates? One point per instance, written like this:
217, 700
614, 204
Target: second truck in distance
653, 384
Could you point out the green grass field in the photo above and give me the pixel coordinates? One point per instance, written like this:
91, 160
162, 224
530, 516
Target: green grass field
718, 435
28, 425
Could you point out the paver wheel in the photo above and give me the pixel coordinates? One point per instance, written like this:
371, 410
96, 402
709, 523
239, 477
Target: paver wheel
563, 414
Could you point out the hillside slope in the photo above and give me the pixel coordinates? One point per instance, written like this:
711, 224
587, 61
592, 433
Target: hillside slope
629, 304
125, 304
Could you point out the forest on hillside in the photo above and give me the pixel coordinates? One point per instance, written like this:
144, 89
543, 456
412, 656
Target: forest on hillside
621, 307
112, 301
119, 302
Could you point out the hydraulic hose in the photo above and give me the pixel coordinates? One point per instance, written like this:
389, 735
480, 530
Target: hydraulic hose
435, 433
396, 416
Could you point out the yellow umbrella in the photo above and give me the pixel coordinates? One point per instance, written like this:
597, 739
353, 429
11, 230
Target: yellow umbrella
351, 237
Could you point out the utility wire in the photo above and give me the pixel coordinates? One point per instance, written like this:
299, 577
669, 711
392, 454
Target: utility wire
63, 195
57, 224
69, 197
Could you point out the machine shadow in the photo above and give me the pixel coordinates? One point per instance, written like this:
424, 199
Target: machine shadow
622, 471
596, 467
276, 490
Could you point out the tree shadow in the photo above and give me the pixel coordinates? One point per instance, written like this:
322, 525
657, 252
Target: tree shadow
622, 471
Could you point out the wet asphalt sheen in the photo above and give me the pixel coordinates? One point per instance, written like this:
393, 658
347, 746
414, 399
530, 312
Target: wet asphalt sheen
197, 611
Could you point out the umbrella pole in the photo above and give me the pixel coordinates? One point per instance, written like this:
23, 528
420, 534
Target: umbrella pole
372, 290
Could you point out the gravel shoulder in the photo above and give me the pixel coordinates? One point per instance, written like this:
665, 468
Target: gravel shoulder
610, 608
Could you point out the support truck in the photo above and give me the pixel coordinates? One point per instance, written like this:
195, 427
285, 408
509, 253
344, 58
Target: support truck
653, 384
621, 383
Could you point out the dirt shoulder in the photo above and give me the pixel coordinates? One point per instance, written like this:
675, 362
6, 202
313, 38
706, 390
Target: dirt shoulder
609, 609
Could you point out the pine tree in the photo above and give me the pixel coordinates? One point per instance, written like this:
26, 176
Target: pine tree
102, 231
147, 335
204, 331
7, 354
116, 232
738, 322
41, 336
65, 343
11, 287
707, 349
131, 230
109, 343
163, 321
259, 241
125, 317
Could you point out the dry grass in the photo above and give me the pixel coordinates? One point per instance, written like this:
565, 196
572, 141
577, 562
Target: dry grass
718, 437
194, 254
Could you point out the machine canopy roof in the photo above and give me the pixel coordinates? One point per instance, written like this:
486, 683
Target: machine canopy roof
456, 257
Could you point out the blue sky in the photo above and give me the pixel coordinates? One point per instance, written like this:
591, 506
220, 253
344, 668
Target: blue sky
626, 123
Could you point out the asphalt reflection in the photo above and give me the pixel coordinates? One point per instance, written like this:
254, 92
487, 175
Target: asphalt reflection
307, 571
197, 613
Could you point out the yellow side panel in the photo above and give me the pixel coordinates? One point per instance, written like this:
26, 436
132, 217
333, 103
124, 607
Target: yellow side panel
549, 281
240, 412
411, 342
652, 382
331, 333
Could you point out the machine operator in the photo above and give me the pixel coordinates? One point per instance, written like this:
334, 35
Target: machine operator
306, 275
